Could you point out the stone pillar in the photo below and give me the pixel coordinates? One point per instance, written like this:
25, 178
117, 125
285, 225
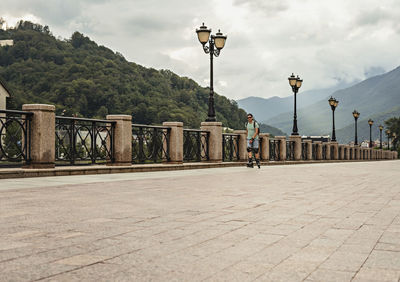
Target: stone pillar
242, 144
319, 150
297, 146
309, 149
282, 147
264, 146
396, 155
335, 146
347, 156
215, 141
175, 141
328, 150
122, 139
352, 152
357, 152
341, 155
43, 135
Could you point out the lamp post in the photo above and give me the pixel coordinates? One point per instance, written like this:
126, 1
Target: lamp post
215, 44
388, 138
380, 135
295, 83
333, 103
370, 122
355, 115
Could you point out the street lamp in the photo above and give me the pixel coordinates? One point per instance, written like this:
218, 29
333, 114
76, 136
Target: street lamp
295, 83
388, 136
380, 135
333, 103
355, 115
370, 122
215, 44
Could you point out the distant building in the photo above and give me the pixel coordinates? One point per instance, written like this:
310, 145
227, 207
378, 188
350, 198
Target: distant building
326, 138
8, 42
4, 94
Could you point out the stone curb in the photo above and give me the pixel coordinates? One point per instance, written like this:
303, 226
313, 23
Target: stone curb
6, 173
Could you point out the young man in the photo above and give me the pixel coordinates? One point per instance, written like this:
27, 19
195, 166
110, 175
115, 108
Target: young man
252, 129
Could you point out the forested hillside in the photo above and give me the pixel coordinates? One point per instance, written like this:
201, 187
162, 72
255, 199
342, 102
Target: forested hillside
82, 78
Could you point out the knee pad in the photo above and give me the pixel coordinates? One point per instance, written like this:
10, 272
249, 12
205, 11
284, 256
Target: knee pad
249, 149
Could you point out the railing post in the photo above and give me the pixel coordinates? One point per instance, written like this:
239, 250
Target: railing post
347, 155
282, 147
42, 135
328, 150
175, 141
319, 150
335, 146
122, 139
215, 139
297, 146
265, 147
242, 144
341, 152
309, 149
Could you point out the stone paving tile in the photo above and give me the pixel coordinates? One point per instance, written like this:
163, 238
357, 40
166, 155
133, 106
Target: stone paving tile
244, 225
375, 274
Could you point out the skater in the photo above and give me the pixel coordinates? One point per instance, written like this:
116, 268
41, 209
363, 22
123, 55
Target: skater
252, 129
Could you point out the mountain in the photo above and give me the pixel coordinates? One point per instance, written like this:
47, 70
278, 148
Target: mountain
373, 96
273, 131
89, 80
346, 134
266, 108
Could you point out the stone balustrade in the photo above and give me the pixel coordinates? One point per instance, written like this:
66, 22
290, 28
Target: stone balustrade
42, 143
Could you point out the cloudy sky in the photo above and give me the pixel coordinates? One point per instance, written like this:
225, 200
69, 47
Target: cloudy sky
325, 42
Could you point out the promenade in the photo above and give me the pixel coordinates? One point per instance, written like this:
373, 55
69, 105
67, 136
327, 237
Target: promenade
309, 222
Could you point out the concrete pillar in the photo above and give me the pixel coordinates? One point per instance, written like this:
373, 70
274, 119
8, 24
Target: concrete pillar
341, 153
122, 139
175, 141
347, 155
357, 152
265, 146
215, 141
297, 146
309, 149
335, 155
319, 150
43, 134
242, 144
352, 152
282, 147
328, 150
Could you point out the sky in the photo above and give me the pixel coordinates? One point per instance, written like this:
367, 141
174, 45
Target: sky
324, 42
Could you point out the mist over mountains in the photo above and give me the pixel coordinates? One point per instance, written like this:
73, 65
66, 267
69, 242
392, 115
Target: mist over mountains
377, 97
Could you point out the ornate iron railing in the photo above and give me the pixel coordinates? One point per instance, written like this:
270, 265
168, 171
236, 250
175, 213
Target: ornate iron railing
290, 150
84, 141
230, 147
195, 145
15, 137
150, 144
314, 151
351, 153
323, 151
274, 150
304, 150
332, 152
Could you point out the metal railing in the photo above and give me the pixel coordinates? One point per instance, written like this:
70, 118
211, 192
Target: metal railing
332, 152
314, 151
323, 151
340, 148
150, 144
304, 150
274, 150
15, 138
290, 150
84, 141
230, 147
195, 145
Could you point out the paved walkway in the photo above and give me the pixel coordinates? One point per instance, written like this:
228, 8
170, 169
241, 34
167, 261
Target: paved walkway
317, 222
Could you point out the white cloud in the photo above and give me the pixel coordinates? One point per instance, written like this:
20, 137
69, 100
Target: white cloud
324, 42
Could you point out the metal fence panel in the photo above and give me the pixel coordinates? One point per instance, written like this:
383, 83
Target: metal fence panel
15, 138
230, 147
195, 145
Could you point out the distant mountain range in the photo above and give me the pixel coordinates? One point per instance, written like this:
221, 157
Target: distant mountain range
377, 97
265, 108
